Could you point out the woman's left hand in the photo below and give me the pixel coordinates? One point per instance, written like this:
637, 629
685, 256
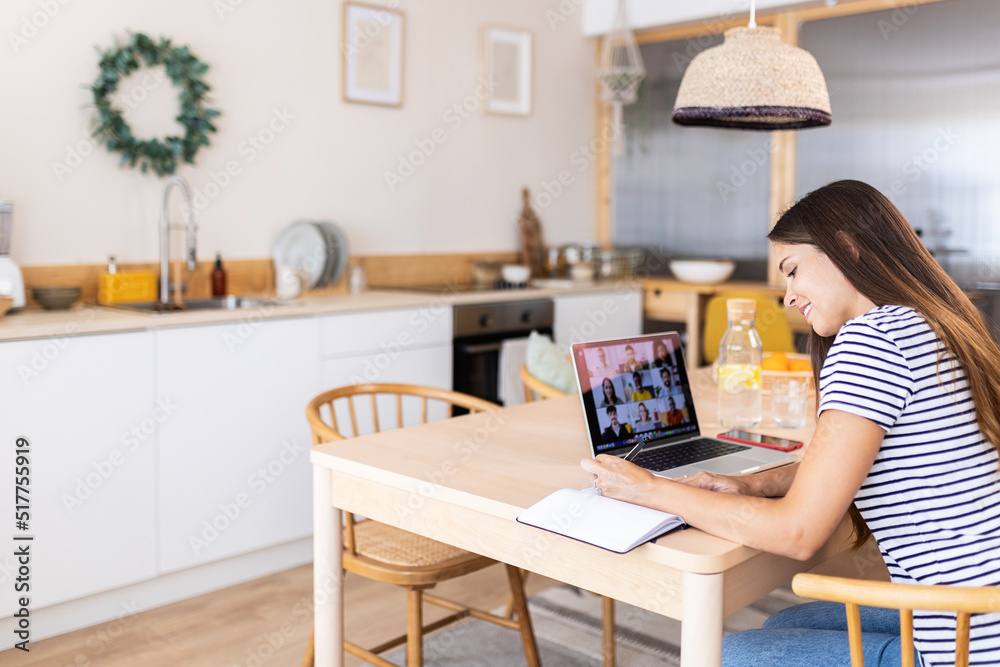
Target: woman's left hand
617, 478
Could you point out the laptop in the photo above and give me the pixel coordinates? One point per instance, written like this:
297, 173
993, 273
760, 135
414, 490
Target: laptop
638, 387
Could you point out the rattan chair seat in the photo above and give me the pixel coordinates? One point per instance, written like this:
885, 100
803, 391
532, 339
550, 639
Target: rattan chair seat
394, 546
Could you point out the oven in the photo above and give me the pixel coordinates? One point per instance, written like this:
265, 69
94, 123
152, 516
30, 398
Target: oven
479, 333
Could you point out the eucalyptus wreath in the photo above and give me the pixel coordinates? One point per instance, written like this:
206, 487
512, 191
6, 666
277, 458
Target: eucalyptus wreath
185, 71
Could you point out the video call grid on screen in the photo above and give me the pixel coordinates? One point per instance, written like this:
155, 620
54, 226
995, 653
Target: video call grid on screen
637, 388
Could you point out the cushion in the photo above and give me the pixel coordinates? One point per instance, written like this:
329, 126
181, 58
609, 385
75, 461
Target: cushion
549, 364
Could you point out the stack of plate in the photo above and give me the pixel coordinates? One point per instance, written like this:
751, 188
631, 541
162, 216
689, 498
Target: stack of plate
318, 248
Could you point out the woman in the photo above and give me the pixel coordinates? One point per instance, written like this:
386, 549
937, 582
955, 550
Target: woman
640, 393
908, 431
610, 395
644, 422
661, 357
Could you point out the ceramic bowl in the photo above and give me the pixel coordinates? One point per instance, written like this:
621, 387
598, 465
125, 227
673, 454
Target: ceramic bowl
702, 271
515, 274
55, 298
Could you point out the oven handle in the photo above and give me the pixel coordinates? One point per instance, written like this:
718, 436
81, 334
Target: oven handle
480, 348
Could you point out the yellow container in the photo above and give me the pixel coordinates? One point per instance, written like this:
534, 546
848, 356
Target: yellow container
126, 286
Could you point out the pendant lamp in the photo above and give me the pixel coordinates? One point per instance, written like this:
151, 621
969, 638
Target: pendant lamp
753, 81
620, 71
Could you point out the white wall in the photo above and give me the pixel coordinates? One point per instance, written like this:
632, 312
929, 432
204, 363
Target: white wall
328, 163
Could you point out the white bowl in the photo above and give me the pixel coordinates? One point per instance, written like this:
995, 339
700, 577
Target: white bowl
581, 271
702, 271
515, 274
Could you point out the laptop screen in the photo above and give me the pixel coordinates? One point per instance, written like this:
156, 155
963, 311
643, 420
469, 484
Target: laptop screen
633, 388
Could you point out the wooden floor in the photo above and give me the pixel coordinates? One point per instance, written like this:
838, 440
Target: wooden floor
260, 623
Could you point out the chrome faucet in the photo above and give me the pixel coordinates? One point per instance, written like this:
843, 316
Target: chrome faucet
165, 235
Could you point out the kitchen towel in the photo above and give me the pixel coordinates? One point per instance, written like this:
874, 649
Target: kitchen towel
513, 353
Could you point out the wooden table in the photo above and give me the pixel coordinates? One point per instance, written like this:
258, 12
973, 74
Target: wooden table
464, 480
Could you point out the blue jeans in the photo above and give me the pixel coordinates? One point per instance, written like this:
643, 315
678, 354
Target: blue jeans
815, 635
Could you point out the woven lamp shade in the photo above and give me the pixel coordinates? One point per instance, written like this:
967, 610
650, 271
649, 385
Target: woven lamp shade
753, 81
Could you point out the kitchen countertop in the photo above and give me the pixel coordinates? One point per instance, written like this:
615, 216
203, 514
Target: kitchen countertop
93, 319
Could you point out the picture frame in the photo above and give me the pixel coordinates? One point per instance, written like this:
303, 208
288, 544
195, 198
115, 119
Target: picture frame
507, 70
372, 46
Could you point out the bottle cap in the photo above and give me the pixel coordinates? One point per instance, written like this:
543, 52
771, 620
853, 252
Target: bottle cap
741, 309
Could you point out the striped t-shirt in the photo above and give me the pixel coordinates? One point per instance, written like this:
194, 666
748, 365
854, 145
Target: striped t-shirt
932, 497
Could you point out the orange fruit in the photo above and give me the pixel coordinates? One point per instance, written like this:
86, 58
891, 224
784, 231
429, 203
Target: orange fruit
776, 362
800, 365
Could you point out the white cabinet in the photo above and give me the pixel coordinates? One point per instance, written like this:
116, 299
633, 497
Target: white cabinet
411, 346
233, 472
86, 405
596, 316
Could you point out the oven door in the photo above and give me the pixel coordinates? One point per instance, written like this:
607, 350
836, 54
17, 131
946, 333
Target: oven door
476, 363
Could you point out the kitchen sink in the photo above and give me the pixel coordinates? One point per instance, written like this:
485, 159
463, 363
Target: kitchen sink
214, 303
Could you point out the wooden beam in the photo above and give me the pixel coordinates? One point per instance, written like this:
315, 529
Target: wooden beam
783, 157
856, 7
718, 25
714, 26
602, 165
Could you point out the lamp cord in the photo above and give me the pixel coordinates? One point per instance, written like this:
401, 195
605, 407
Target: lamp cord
753, 14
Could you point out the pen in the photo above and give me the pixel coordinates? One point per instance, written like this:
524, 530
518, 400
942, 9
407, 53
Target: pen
635, 450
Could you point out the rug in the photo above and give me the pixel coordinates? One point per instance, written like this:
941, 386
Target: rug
567, 623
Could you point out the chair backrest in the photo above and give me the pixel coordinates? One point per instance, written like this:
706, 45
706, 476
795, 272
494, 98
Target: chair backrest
342, 413
337, 415
535, 389
771, 324
905, 597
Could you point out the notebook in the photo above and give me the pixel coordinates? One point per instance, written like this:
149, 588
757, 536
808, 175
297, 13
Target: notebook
587, 516
638, 387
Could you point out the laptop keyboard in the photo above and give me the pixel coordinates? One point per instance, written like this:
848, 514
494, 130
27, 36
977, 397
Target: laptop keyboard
675, 456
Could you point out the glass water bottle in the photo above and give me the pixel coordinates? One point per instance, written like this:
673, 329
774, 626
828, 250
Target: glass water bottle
739, 367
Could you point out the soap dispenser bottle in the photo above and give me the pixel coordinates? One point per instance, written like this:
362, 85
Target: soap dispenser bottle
218, 277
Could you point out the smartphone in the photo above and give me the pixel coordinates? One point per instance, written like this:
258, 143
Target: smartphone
760, 440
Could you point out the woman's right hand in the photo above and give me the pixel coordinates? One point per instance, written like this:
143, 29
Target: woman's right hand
722, 483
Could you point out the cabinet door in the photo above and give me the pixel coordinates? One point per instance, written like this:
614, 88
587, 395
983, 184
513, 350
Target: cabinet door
429, 366
233, 462
86, 406
613, 314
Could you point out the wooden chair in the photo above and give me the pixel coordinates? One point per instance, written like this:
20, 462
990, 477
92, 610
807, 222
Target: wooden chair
377, 551
906, 598
535, 389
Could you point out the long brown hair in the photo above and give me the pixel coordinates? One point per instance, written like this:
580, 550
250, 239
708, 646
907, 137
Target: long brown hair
892, 267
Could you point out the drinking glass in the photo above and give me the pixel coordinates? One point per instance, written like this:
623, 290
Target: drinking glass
789, 401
